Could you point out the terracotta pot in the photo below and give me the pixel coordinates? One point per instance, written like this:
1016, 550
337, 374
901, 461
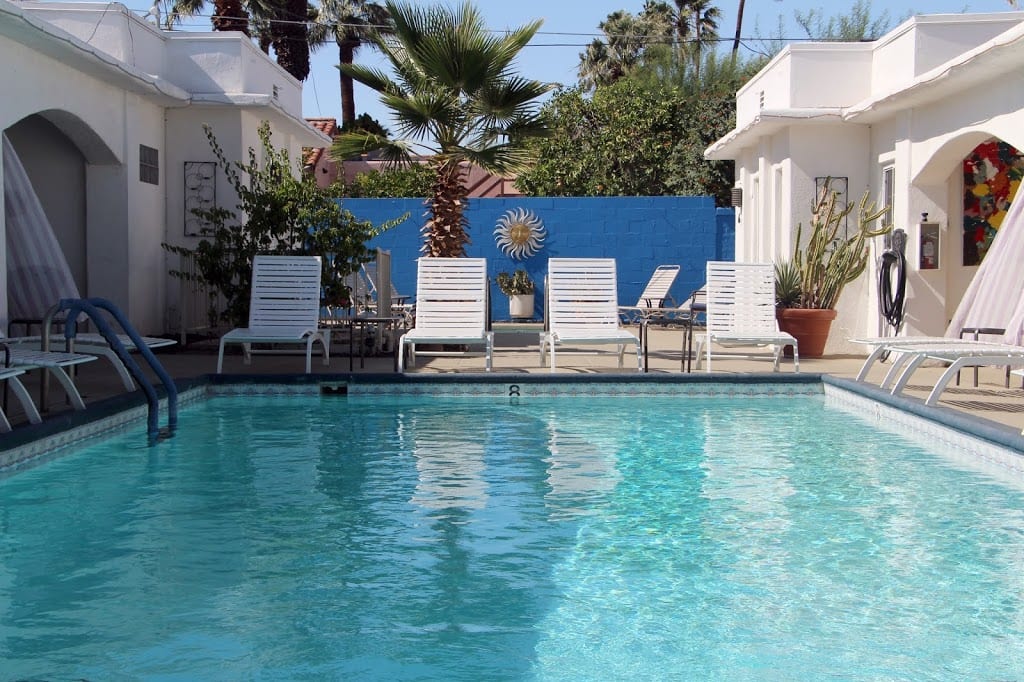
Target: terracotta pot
810, 326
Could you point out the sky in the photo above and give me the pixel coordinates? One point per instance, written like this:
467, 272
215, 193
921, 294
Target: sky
569, 25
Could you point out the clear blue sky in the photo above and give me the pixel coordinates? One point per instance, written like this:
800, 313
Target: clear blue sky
569, 25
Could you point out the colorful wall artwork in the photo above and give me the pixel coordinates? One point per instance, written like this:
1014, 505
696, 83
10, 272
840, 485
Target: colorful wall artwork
992, 174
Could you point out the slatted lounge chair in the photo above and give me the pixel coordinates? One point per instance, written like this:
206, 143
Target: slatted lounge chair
56, 363
656, 295
451, 307
95, 344
958, 354
284, 307
9, 375
582, 307
740, 299
883, 346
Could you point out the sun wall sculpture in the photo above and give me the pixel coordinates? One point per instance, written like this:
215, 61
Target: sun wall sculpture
520, 233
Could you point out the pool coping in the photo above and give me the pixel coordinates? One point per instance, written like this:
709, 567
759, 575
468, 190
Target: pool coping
28, 441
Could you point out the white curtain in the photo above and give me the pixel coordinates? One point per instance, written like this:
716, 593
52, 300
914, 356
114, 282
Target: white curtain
993, 298
38, 274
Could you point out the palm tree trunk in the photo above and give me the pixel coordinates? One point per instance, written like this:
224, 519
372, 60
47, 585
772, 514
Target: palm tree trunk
291, 39
739, 26
346, 54
445, 233
229, 15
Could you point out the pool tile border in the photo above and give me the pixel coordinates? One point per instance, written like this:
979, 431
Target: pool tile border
998, 445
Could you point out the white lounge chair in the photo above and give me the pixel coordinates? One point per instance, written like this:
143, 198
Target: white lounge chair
95, 344
655, 295
581, 307
451, 307
284, 307
884, 346
9, 375
740, 300
56, 363
958, 355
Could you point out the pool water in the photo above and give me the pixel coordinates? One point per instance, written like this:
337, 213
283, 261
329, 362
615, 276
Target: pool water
328, 538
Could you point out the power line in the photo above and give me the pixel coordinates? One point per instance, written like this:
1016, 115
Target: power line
647, 39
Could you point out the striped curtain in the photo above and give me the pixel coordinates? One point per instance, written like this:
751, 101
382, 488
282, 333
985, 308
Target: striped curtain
37, 271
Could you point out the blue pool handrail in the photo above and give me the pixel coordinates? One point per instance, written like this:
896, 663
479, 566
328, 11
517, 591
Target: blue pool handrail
92, 307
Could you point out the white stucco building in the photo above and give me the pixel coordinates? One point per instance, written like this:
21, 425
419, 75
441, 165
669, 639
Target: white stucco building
897, 117
106, 111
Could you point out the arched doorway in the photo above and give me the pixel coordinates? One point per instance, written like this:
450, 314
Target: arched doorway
56, 169
64, 164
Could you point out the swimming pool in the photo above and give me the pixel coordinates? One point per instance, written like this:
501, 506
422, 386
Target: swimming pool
487, 537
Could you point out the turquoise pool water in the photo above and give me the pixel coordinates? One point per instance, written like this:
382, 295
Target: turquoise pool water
472, 539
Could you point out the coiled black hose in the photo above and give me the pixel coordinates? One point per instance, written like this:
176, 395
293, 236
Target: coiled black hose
892, 301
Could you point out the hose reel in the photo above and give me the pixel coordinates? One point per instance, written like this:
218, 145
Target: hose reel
892, 282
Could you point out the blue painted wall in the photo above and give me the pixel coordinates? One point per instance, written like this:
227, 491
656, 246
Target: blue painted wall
641, 233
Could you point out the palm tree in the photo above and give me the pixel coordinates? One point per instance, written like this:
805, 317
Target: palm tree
290, 36
697, 20
277, 23
352, 24
739, 27
627, 37
455, 94
228, 15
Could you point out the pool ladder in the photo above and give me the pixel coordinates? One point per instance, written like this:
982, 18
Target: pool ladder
92, 308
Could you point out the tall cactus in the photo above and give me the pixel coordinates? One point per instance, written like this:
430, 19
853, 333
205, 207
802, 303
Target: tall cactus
828, 262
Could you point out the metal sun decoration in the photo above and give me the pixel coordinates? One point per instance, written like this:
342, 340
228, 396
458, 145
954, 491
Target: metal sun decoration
520, 233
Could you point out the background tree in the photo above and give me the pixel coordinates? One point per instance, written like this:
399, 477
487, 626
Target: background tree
696, 26
626, 38
351, 24
630, 139
409, 181
454, 94
856, 25
290, 36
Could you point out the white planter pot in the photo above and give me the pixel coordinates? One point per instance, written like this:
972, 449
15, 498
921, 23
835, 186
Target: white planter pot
520, 305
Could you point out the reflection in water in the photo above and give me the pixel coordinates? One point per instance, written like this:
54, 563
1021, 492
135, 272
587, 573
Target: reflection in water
580, 470
449, 461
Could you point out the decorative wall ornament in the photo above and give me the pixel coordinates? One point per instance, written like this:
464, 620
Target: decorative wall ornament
200, 193
520, 233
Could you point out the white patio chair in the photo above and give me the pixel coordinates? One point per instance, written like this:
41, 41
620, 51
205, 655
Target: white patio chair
582, 307
740, 300
451, 307
284, 307
655, 296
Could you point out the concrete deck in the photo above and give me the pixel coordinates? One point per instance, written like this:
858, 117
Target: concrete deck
518, 353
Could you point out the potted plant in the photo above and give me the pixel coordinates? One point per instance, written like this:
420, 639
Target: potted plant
807, 287
519, 288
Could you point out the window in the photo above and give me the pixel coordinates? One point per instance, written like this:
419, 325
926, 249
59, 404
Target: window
888, 193
149, 165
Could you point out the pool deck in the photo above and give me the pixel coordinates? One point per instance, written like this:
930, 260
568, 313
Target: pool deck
517, 353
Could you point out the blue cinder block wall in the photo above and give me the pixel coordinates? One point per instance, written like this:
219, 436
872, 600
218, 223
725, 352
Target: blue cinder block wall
641, 233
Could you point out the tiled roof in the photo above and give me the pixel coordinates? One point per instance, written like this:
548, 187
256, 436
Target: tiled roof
328, 126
